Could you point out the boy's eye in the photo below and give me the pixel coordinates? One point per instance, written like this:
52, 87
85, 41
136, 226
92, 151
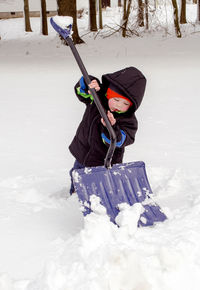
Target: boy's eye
116, 100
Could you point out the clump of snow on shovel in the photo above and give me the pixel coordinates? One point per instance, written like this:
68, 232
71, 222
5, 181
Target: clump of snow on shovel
63, 21
96, 205
76, 176
128, 217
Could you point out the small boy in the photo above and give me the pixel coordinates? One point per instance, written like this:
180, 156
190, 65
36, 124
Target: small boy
121, 94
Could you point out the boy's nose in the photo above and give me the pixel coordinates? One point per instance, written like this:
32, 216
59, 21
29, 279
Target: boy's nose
118, 106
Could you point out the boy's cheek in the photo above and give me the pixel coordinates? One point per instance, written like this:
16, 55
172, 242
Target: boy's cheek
125, 108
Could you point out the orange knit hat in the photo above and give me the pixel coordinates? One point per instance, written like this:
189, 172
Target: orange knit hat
112, 94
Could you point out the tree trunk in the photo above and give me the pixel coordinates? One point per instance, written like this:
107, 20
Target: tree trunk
44, 17
198, 11
126, 16
124, 19
147, 14
105, 3
26, 16
176, 22
183, 12
140, 17
100, 15
93, 19
68, 8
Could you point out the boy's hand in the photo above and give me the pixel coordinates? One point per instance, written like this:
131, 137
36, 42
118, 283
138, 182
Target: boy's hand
110, 118
94, 85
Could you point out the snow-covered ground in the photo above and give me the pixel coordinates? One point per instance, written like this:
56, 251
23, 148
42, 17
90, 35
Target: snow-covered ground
45, 243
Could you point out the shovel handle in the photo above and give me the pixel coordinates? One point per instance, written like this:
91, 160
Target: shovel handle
111, 149
65, 33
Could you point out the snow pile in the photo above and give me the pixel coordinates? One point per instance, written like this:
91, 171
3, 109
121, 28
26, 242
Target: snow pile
103, 256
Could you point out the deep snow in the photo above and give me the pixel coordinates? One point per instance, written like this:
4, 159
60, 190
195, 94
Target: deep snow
45, 242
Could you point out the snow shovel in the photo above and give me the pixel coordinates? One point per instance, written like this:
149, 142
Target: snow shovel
117, 184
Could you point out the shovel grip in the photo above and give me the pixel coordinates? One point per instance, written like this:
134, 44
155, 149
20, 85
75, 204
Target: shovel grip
111, 149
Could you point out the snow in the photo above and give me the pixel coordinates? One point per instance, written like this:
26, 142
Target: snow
46, 244
63, 21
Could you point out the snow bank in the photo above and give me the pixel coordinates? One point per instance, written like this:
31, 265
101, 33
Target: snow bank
103, 256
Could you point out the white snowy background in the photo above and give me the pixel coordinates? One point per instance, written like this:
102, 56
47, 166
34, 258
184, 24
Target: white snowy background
45, 243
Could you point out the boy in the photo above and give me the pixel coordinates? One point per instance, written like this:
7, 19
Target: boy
121, 94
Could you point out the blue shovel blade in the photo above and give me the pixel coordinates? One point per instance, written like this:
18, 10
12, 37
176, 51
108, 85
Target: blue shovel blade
123, 183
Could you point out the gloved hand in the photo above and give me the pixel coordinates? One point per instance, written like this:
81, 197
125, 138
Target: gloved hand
83, 86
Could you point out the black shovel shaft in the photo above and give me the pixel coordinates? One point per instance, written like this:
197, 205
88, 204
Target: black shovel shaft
111, 149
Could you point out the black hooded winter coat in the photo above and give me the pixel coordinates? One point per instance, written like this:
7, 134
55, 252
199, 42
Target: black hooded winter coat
91, 141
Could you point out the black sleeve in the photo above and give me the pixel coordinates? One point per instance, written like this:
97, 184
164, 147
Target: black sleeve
85, 97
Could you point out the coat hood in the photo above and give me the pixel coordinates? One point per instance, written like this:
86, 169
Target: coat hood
130, 81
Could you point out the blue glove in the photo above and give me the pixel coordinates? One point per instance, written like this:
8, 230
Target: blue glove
83, 86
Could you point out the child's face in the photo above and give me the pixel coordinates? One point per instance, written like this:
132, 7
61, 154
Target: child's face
118, 105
